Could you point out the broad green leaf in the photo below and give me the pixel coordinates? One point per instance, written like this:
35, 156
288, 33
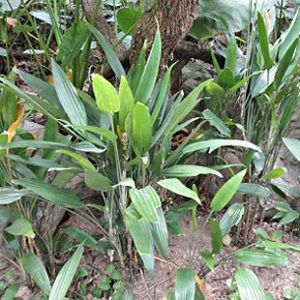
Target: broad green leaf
139, 229
286, 189
231, 54
141, 129
146, 201
227, 191
149, 76
254, 189
185, 287
248, 285
106, 95
126, 101
216, 236
275, 173
10, 195
127, 18
65, 276
50, 192
284, 63
294, 146
291, 35
68, 96
226, 79
82, 161
81, 236
263, 41
109, 51
44, 89
181, 171
10, 292
21, 227
216, 144
231, 218
216, 122
277, 245
208, 257
160, 233
176, 186
73, 41
289, 217
225, 16
262, 258
97, 182
34, 266
34, 161
105, 133
186, 106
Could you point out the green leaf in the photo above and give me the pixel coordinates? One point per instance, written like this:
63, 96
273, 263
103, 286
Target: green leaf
216, 236
10, 195
65, 276
82, 161
106, 95
186, 106
216, 144
73, 41
141, 129
231, 55
188, 171
163, 91
160, 233
284, 63
289, 217
149, 76
146, 201
21, 227
50, 192
226, 79
139, 229
81, 236
254, 189
231, 218
97, 181
34, 266
68, 96
264, 42
11, 291
126, 101
227, 191
208, 257
294, 146
248, 285
127, 18
276, 173
262, 258
225, 16
109, 51
100, 131
176, 186
291, 35
216, 122
185, 287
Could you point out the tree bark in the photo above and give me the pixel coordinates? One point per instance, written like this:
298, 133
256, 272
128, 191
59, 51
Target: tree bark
175, 19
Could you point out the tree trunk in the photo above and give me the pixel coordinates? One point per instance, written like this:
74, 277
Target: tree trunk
175, 18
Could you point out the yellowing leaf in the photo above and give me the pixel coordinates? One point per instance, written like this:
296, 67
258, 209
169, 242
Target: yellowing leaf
16, 124
107, 98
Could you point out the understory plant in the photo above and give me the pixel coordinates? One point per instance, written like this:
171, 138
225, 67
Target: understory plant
119, 139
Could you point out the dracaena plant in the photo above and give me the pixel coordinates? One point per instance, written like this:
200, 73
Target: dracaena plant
122, 142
